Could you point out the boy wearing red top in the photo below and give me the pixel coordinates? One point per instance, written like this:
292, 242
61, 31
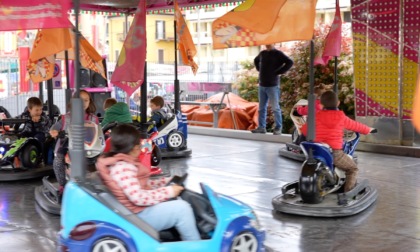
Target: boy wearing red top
330, 123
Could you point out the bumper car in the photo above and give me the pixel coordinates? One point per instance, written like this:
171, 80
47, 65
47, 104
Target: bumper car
319, 190
292, 149
150, 155
94, 220
172, 137
22, 157
47, 195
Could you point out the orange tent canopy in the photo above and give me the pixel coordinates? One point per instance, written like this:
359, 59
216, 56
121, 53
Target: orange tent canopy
238, 110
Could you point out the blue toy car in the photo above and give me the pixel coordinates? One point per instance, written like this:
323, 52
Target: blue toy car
172, 137
93, 220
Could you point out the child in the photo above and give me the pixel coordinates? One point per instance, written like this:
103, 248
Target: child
159, 115
329, 128
300, 112
39, 124
129, 181
62, 144
109, 103
303, 110
116, 112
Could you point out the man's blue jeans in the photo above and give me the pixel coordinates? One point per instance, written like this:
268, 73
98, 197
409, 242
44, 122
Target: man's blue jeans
272, 95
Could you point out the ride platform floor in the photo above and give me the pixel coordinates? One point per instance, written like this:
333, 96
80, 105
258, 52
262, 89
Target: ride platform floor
252, 171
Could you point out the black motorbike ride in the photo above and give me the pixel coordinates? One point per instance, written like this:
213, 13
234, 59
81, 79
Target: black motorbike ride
319, 190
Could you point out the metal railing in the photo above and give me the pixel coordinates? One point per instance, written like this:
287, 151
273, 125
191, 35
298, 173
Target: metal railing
160, 80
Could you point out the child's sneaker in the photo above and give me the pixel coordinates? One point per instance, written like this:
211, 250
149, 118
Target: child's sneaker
259, 130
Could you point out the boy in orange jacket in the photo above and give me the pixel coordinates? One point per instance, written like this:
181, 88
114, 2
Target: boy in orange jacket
330, 124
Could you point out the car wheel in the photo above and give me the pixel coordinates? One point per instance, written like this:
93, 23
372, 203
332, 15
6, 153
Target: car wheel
244, 242
109, 244
156, 155
313, 188
175, 140
30, 156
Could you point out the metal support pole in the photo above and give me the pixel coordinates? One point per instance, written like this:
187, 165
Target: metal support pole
126, 28
77, 129
177, 105
401, 73
50, 99
68, 90
311, 100
41, 91
335, 75
143, 105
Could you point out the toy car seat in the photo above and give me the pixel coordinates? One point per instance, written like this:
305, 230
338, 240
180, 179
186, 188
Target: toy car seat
5, 112
144, 158
170, 119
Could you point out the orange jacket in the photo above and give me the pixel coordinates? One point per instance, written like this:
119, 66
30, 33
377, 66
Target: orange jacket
330, 125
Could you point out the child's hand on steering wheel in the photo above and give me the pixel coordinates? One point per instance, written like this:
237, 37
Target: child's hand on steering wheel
54, 133
177, 189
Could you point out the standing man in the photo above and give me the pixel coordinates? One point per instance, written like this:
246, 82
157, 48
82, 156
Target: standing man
270, 63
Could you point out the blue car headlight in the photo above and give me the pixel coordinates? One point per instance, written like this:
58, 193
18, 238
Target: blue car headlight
255, 222
2, 149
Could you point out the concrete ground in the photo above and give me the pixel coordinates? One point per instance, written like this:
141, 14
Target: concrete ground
252, 172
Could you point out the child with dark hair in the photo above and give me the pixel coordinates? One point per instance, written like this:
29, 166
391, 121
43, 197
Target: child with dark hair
303, 110
159, 114
109, 103
62, 143
330, 124
116, 112
39, 123
129, 182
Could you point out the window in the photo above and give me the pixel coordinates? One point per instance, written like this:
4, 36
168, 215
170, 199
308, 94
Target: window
253, 51
160, 29
180, 61
8, 42
161, 57
126, 28
347, 16
203, 49
218, 53
117, 54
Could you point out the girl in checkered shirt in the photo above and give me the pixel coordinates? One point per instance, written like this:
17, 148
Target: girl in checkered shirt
129, 182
